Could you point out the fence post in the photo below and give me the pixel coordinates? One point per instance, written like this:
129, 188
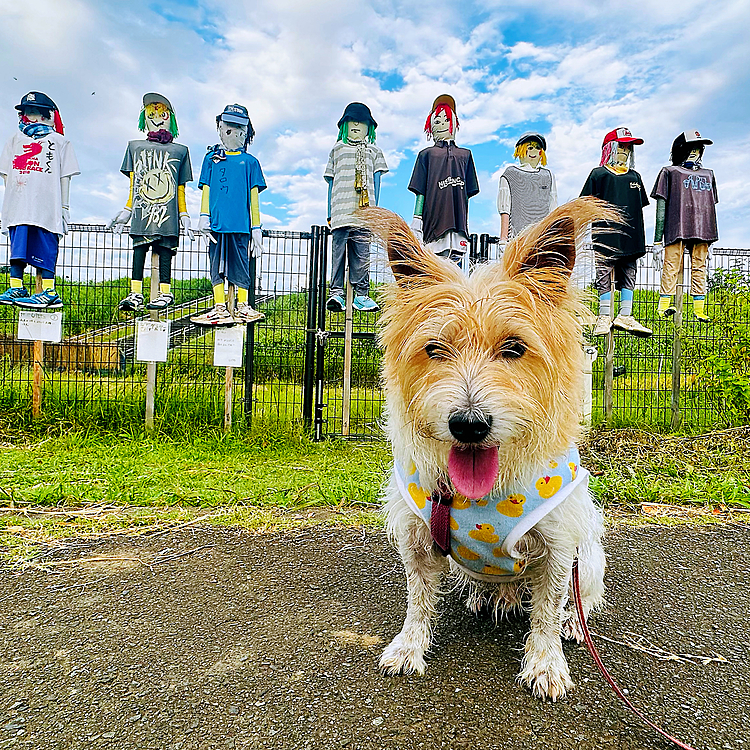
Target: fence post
484, 243
348, 330
229, 372
609, 358
36, 386
308, 383
677, 342
151, 366
250, 350
320, 332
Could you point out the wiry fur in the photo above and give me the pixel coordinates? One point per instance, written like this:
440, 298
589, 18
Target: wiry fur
534, 402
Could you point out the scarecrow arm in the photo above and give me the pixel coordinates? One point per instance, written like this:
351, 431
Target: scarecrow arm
661, 211
329, 180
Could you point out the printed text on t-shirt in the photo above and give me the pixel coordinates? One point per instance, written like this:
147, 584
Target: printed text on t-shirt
696, 182
451, 182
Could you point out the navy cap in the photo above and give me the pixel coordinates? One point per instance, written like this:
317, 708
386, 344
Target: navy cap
236, 114
357, 112
528, 137
36, 99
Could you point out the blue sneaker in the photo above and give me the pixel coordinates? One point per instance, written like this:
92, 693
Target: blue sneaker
48, 299
9, 296
336, 303
363, 303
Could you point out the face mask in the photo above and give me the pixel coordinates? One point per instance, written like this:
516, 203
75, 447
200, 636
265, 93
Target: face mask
232, 136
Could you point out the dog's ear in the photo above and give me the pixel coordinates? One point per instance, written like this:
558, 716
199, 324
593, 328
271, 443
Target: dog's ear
542, 258
411, 264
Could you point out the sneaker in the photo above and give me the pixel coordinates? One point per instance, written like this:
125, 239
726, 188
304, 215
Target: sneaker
162, 302
218, 315
629, 324
336, 303
603, 325
48, 299
247, 314
10, 295
364, 303
132, 303
703, 318
667, 312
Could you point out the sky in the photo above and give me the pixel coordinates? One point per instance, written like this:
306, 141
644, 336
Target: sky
571, 70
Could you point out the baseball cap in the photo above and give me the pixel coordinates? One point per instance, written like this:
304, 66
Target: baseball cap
236, 114
527, 137
153, 98
693, 136
36, 99
621, 135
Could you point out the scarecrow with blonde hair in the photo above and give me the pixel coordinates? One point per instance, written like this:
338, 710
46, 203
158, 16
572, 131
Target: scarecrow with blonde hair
158, 169
526, 193
444, 178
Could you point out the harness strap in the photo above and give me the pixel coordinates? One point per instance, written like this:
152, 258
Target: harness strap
440, 518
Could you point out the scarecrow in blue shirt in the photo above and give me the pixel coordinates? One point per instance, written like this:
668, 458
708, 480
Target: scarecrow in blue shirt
231, 180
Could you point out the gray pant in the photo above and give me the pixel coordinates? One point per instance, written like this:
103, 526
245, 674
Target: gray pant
353, 242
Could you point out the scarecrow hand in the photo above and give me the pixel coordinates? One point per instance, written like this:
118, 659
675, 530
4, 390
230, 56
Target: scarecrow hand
416, 227
204, 225
65, 218
501, 245
185, 223
118, 223
657, 251
256, 242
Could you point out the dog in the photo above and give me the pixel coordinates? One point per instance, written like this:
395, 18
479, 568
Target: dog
483, 387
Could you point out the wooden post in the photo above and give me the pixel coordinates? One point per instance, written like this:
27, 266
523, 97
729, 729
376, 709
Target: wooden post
151, 366
609, 357
677, 342
229, 374
36, 386
348, 330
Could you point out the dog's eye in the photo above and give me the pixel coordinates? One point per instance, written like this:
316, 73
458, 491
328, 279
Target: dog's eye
436, 350
511, 348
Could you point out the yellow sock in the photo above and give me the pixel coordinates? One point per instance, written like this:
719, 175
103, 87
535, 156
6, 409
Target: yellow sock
164, 288
241, 296
136, 286
48, 284
16, 283
664, 302
220, 297
699, 308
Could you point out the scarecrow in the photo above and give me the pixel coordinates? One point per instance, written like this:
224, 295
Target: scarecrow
526, 193
158, 169
37, 164
355, 167
444, 178
618, 246
686, 199
231, 180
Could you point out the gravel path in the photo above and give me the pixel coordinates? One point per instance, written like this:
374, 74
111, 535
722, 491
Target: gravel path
211, 638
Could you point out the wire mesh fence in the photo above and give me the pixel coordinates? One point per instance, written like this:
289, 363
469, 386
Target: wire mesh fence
688, 373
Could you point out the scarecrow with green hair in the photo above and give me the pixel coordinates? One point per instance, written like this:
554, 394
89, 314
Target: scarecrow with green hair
353, 173
158, 169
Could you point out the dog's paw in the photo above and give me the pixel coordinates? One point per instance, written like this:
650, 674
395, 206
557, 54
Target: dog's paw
400, 657
547, 679
571, 627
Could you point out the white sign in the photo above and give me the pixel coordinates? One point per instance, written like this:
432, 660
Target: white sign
35, 325
228, 346
152, 340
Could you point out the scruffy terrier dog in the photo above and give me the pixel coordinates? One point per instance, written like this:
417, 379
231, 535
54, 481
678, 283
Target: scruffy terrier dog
483, 383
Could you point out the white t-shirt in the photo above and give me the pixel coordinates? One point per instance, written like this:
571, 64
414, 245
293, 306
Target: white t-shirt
32, 168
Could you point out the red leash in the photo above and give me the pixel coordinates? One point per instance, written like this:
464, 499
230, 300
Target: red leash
598, 661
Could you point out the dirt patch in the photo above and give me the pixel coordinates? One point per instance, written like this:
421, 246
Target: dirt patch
271, 641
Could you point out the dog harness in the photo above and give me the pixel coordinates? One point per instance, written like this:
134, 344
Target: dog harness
483, 533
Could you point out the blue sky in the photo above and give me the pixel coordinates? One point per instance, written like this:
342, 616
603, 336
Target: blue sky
573, 70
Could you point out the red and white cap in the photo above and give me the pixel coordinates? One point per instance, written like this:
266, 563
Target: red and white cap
693, 136
621, 135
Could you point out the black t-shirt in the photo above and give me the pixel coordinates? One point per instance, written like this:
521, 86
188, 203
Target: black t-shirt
445, 175
627, 193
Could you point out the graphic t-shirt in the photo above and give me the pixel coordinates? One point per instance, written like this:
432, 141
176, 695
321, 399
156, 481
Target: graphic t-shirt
691, 199
445, 175
33, 168
230, 181
625, 191
158, 168
341, 169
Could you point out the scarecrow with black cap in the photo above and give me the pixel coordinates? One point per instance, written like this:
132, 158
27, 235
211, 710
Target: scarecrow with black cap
526, 193
36, 164
444, 178
231, 180
158, 169
686, 199
353, 173
618, 245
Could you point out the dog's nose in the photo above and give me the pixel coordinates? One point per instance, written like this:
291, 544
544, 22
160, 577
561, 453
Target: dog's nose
468, 428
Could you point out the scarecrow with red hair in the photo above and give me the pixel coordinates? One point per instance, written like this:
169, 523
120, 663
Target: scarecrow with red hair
444, 178
36, 164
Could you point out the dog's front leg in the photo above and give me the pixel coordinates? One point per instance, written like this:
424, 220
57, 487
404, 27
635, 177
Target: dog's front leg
545, 669
424, 569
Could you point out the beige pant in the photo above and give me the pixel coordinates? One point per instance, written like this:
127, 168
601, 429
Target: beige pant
672, 259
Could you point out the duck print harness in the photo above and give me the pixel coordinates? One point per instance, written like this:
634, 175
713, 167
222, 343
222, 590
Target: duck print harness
484, 532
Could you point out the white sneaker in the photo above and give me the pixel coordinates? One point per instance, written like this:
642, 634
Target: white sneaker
603, 325
247, 314
218, 315
631, 325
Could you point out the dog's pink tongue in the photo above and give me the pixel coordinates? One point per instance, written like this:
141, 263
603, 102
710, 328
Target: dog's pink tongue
473, 471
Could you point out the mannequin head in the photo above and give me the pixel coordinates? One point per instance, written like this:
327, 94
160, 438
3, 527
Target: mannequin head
356, 132
617, 150
36, 114
235, 130
442, 122
687, 149
38, 108
531, 150
157, 116
357, 124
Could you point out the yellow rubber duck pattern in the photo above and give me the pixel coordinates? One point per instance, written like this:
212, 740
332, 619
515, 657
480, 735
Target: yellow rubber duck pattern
484, 532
